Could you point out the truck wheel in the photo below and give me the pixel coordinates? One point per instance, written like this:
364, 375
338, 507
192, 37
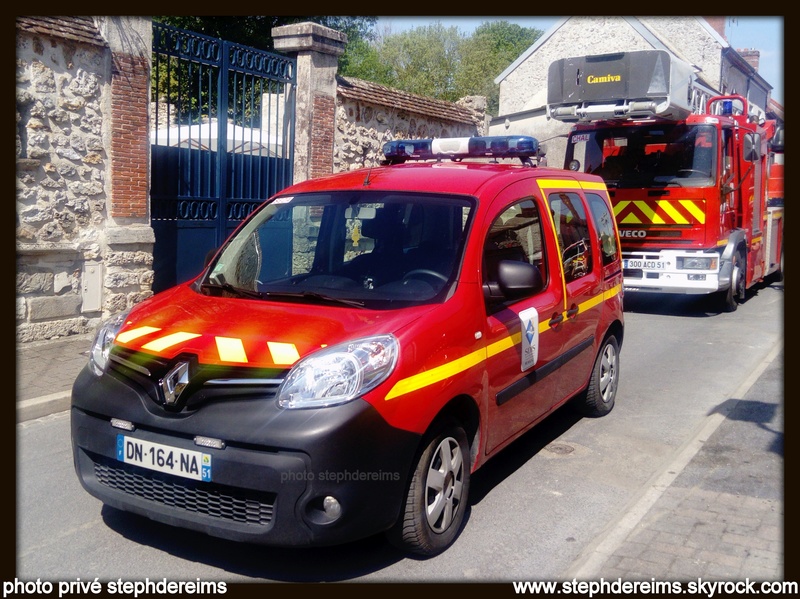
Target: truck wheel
598, 399
436, 500
732, 296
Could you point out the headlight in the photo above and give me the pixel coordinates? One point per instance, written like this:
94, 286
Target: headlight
339, 374
697, 263
103, 340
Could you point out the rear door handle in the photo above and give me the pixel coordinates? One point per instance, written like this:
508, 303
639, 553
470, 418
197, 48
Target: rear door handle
572, 311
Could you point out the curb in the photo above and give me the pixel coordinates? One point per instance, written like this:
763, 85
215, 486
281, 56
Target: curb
37, 407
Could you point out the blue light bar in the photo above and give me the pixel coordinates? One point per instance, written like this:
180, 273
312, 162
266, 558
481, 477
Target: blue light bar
457, 148
408, 149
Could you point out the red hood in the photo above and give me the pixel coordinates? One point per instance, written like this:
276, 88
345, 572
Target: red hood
248, 332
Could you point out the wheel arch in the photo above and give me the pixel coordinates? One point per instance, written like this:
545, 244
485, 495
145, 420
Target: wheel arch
618, 330
464, 410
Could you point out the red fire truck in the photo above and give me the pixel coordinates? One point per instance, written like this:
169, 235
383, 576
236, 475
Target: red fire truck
695, 178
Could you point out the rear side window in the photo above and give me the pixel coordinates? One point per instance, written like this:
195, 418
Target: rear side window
515, 235
572, 229
604, 223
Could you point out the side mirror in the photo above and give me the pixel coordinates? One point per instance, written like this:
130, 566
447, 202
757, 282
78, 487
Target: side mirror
518, 279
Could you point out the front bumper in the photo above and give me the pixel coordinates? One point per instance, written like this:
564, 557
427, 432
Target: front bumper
268, 481
659, 272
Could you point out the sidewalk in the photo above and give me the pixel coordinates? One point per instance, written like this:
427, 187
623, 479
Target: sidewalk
716, 512
45, 373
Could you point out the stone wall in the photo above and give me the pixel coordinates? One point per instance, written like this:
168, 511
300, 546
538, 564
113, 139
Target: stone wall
77, 262
362, 127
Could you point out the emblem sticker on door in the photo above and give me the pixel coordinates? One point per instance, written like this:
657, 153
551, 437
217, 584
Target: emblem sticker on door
529, 327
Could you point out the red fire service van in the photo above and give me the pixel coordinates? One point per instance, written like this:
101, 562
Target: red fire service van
357, 348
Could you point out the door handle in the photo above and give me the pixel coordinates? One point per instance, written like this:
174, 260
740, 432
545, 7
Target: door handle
572, 311
556, 319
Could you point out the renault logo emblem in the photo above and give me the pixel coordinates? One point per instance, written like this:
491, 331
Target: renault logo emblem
175, 382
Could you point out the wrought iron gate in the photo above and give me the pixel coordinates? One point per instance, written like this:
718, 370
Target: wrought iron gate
222, 141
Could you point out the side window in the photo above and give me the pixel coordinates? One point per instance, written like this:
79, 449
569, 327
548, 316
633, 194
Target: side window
604, 223
573, 234
515, 235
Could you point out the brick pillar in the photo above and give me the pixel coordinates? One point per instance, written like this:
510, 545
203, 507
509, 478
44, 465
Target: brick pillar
130, 144
130, 41
317, 50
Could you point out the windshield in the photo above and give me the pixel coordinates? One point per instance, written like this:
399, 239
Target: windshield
648, 155
362, 248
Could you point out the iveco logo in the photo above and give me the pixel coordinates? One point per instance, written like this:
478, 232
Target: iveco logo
632, 233
175, 382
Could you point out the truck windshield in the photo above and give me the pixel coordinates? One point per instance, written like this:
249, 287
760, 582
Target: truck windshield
647, 155
355, 248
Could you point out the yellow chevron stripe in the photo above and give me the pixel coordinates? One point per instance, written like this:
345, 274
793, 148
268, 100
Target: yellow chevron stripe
649, 213
231, 349
168, 341
670, 209
136, 333
631, 219
695, 210
283, 353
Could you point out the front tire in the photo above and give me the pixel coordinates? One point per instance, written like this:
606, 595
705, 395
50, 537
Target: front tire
598, 399
436, 501
731, 297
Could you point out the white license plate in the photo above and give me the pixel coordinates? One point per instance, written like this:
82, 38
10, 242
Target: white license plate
648, 264
163, 458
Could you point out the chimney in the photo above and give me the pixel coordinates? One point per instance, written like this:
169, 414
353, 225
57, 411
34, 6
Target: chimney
751, 56
718, 23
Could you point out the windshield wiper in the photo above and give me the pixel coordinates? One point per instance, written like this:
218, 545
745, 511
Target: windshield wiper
314, 295
234, 290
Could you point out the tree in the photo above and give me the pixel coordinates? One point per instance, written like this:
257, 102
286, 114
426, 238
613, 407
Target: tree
423, 60
487, 53
441, 62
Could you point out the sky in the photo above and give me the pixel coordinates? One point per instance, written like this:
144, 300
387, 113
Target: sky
762, 33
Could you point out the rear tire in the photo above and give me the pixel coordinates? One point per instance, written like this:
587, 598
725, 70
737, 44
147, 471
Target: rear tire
598, 399
436, 501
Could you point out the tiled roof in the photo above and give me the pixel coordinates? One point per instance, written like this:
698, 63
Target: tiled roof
79, 29
365, 91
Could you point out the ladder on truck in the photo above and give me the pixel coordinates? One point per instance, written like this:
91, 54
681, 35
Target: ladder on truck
624, 85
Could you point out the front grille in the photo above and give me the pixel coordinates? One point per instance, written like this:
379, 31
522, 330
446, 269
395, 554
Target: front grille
222, 503
207, 383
